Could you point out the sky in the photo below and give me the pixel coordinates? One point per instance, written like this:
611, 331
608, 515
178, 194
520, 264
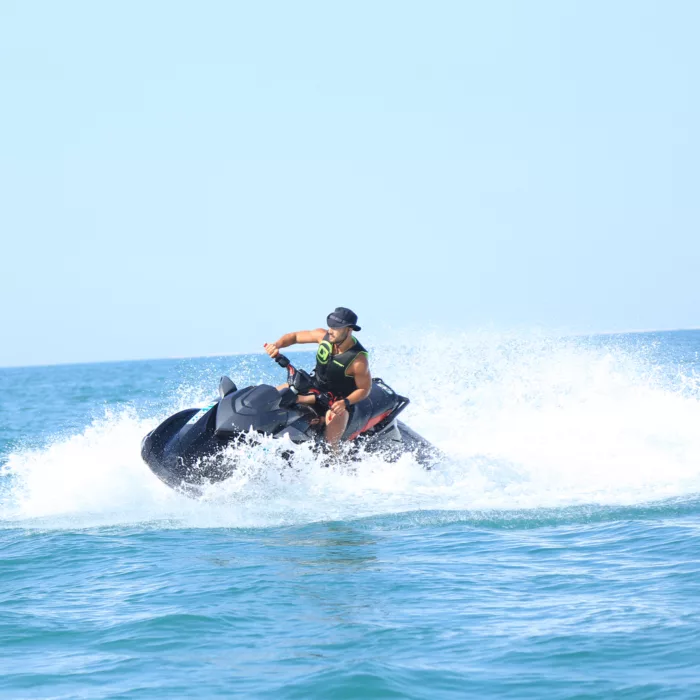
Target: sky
183, 178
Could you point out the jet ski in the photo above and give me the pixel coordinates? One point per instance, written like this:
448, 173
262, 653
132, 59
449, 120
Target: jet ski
186, 450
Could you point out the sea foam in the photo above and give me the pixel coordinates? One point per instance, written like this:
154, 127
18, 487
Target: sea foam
525, 422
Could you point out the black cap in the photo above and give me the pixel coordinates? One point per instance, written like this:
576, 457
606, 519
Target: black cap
343, 318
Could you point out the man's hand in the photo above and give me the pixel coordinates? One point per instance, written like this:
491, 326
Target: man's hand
338, 408
272, 350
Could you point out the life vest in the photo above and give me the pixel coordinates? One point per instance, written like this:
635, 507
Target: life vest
331, 370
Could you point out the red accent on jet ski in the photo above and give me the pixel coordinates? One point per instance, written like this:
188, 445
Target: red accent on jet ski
372, 422
318, 391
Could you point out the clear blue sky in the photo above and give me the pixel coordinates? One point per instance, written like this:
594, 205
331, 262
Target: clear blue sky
185, 178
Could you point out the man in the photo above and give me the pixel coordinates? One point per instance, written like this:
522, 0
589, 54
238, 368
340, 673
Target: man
341, 378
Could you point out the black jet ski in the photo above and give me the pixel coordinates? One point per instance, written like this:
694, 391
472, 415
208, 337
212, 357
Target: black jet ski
185, 450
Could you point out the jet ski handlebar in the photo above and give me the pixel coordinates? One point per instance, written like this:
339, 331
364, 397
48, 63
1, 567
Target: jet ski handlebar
298, 379
282, 361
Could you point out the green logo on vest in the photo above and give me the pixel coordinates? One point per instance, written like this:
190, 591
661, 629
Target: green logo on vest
324, 352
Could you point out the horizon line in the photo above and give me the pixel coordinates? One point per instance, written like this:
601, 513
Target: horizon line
238, 353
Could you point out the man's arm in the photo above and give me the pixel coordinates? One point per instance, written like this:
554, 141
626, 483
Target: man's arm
359, 369
273, 349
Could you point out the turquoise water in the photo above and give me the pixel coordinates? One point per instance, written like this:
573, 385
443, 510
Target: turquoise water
555, 553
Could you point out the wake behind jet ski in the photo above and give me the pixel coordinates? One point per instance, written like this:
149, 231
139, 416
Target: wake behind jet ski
185, 451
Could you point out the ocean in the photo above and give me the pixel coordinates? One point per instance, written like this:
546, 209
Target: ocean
553, 553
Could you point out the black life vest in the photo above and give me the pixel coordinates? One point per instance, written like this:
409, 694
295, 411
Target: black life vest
331, 370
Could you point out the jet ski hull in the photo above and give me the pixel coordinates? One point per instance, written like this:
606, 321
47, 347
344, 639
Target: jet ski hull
186, 450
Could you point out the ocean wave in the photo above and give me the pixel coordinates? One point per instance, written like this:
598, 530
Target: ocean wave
526, 422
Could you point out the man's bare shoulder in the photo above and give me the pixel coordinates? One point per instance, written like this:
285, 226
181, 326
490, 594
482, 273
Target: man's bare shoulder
360, 364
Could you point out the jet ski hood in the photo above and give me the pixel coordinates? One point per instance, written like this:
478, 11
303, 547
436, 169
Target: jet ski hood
255, 408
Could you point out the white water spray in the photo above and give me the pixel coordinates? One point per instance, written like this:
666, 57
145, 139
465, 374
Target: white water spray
525, 422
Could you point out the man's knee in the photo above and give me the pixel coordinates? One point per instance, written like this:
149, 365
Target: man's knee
342, 419
335, 427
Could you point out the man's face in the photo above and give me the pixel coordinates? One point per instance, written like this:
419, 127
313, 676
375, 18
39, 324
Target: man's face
338, 335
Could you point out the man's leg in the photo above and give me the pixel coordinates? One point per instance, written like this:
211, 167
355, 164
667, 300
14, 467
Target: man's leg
335, 426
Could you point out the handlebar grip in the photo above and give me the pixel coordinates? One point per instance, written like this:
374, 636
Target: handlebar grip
282, 361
